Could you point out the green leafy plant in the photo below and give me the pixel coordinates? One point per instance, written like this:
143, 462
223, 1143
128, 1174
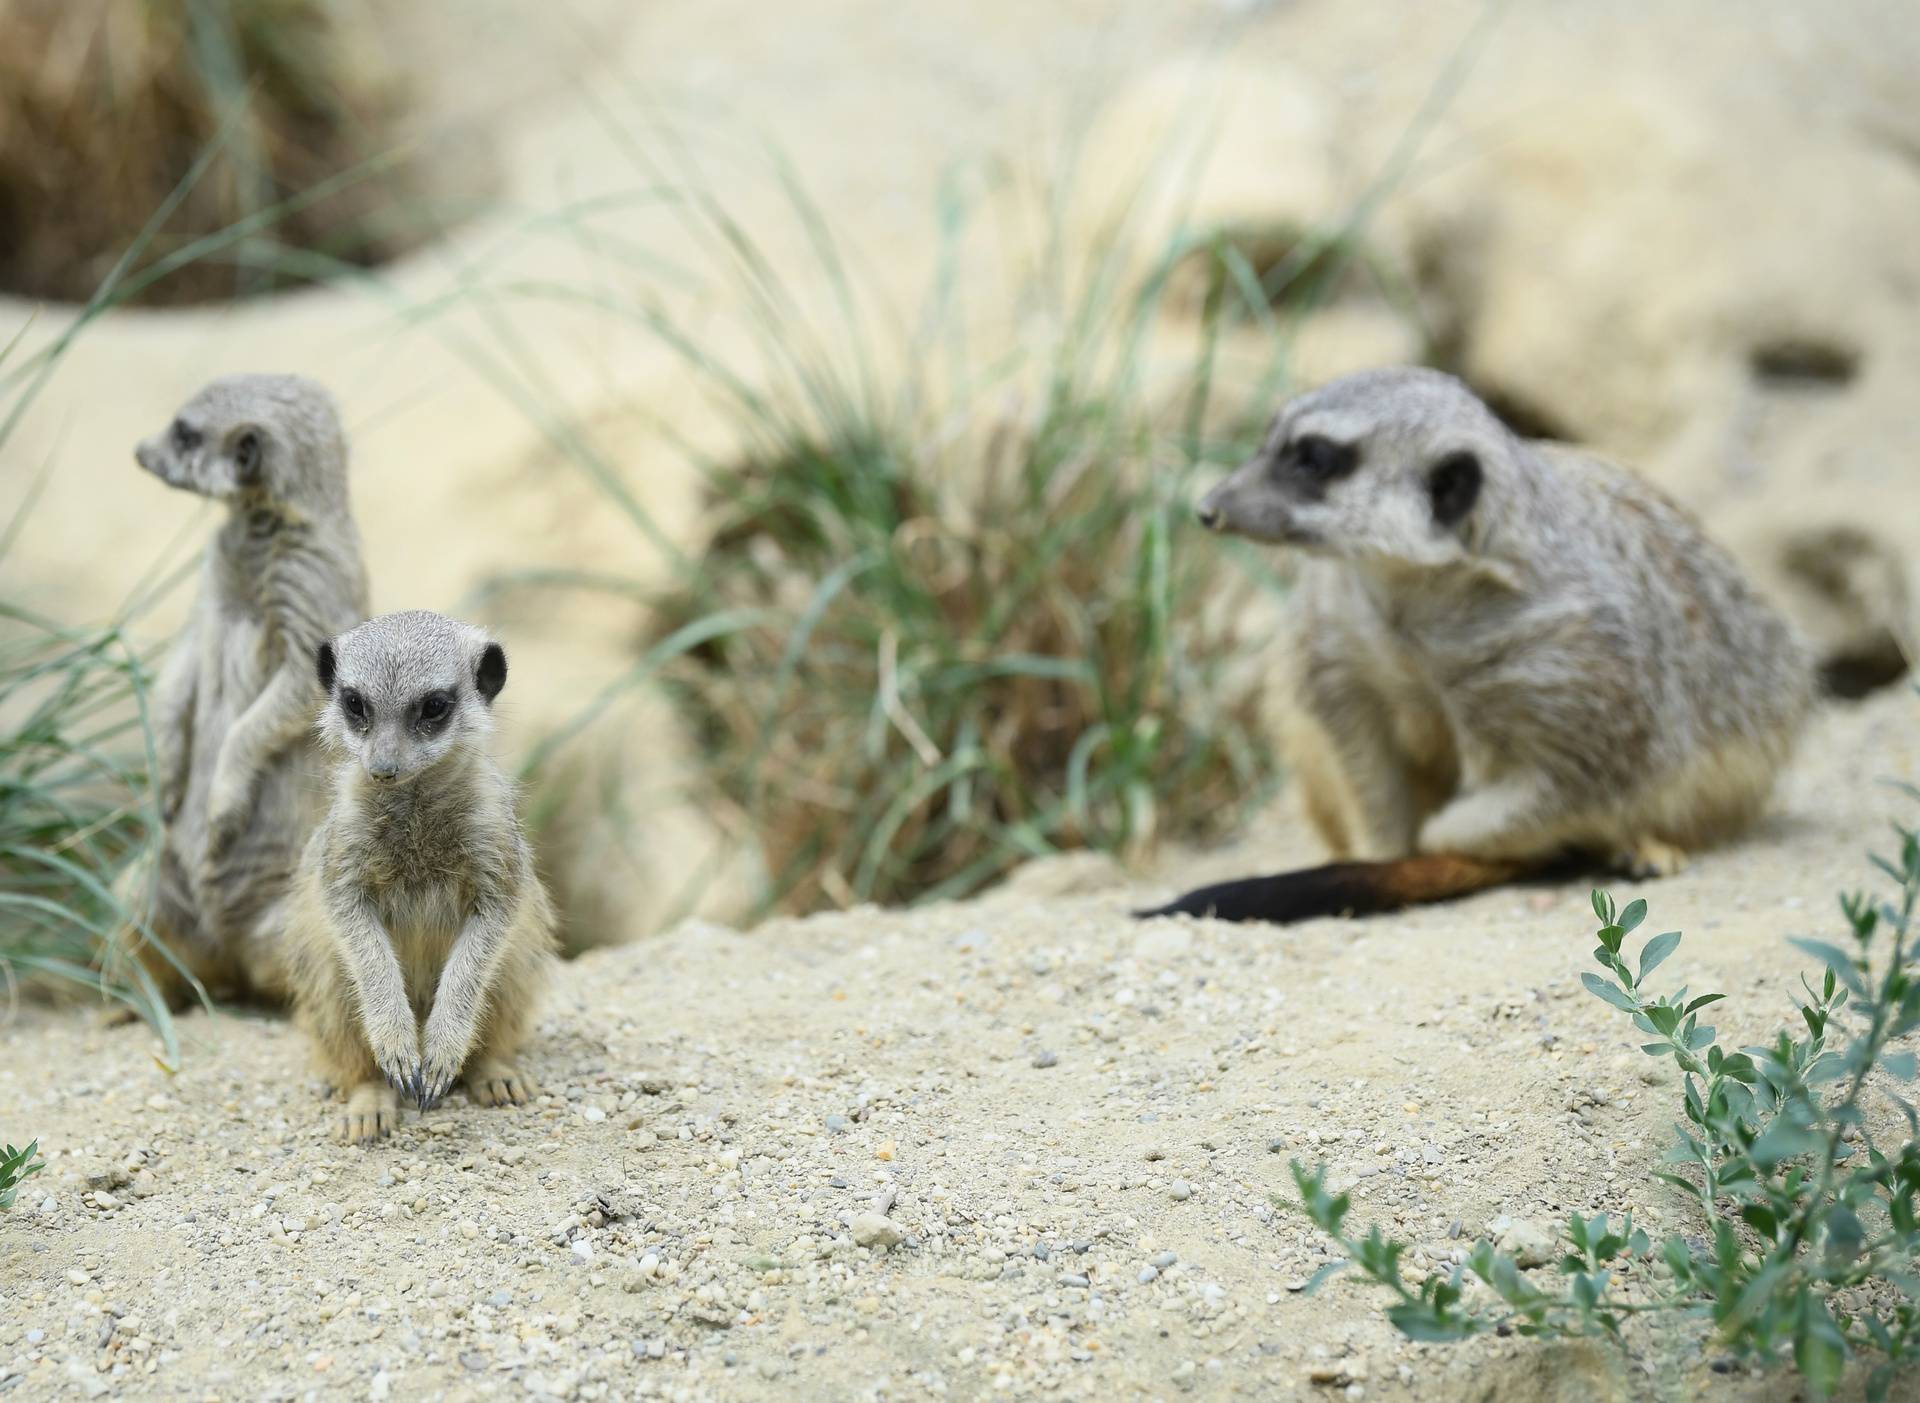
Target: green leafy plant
1810, 1197
15, 1166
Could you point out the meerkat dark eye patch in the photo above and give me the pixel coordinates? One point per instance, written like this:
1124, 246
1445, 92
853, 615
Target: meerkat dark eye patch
491, 675
354, 705
435, 708
323, 665
1453, 485
186, 438
1320, 460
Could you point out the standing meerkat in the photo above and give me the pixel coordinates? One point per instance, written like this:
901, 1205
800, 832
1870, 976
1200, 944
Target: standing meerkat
1504, 653
420, 936
238, 771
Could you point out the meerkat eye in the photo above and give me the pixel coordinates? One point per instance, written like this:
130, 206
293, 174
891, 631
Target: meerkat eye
1323, 460
246, 455
186, 438
435, 707
354, 705
1453, 484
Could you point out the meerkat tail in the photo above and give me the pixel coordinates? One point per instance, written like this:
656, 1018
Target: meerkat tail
1347, 889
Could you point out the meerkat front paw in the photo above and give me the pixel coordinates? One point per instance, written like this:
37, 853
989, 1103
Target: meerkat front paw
491, 1082
224, 826
1650, 857
371, 1113
396, 1052
229, 804
171, 793
440, 1062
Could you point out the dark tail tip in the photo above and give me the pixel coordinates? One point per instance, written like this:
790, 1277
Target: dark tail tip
1335, 889
1342, 889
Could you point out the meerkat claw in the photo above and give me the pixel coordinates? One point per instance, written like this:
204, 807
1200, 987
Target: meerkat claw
371, 1113
495, 1083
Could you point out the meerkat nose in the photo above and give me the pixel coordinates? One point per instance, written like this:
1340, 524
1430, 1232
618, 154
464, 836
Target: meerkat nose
1209, 515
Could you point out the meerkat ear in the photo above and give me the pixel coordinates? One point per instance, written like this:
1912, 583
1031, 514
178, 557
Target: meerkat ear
323, 666
491, 675
246, 456
1453, 484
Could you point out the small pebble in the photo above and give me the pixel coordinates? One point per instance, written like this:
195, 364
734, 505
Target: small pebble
875, 1230
1049, 1058
1180, 1191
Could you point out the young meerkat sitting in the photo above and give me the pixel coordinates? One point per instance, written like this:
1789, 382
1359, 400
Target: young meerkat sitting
420, 936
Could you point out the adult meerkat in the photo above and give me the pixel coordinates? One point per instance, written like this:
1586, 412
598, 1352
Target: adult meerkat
232, 712
1504, 653
420, 936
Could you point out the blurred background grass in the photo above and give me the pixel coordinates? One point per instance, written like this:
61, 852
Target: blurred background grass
949, 612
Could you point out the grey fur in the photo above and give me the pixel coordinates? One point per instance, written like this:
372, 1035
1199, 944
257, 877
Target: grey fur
421, 935
1569, 665
239, 775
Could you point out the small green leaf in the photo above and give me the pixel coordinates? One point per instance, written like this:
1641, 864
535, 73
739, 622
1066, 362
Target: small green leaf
1835, 959
1656, 950
1782, 1141
1818, 1346
1319, 1278
1740, 1067
1608, 990
1419, 1321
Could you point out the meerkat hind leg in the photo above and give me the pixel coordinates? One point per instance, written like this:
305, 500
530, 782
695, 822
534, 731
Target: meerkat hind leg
1355, 784
371, 1113
495, 1081
1648, 857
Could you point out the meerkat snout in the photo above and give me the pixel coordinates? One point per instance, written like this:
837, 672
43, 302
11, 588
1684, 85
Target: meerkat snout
405, 691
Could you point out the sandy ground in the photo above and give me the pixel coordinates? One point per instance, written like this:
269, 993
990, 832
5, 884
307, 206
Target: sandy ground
1071, 1124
